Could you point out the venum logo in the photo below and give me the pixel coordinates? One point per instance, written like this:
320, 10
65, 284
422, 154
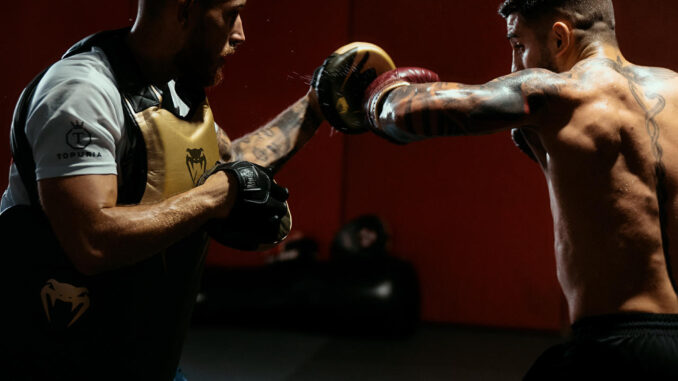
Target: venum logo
249, 177
196, 163
77, 137
64, 303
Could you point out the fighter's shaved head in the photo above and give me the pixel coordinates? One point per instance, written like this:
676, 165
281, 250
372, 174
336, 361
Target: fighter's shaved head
594, 16
583, 13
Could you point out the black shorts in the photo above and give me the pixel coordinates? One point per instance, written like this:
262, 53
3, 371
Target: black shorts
623, 347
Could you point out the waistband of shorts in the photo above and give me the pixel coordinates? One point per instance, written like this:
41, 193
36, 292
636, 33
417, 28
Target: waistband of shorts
627, 323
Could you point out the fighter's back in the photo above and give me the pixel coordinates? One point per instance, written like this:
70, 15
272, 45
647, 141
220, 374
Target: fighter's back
609, 149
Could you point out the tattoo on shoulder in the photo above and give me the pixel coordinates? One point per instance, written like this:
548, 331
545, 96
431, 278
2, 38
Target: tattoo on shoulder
651, 103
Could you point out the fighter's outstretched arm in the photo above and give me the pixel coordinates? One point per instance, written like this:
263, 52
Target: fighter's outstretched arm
418, 111
277, 141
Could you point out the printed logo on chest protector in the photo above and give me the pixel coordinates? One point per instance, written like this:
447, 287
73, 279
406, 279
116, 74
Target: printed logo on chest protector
78, 137
64, 304
196, 163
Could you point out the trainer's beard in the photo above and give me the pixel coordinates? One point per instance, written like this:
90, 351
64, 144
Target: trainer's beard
219, 71
218, 77
200, 67
196, 69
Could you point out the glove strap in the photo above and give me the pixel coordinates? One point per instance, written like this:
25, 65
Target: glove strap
376, 103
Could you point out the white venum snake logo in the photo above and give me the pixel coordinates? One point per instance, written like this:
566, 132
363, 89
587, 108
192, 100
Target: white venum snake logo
77, 297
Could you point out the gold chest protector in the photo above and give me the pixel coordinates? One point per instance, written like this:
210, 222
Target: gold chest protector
178, 151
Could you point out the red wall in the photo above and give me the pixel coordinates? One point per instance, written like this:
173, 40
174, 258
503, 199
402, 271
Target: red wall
471, 213
34, 34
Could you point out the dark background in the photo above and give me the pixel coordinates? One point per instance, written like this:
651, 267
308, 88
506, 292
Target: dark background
470, 213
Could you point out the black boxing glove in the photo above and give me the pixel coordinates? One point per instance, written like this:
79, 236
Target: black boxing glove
341, 81
375, 96
260, 217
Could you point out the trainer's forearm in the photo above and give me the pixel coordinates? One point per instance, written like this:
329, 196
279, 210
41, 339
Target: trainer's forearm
99, 237
127, 234
276, 142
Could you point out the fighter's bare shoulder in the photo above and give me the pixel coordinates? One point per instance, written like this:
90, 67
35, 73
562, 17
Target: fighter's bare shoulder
601, 71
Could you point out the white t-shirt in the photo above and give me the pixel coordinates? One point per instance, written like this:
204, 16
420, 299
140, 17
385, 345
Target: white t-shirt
75, 123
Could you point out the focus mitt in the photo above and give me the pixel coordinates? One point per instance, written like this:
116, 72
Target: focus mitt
340, 84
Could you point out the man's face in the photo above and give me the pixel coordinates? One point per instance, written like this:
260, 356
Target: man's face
529, 45
214, 31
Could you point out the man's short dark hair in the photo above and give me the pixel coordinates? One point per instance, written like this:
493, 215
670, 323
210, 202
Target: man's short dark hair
584, 14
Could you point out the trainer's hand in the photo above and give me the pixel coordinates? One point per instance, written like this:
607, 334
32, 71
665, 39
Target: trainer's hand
340, 84
376, 93
259, 217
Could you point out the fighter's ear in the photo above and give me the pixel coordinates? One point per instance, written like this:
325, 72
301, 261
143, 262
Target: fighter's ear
562, 33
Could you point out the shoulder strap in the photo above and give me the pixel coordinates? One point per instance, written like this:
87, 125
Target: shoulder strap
136, 95
22, 154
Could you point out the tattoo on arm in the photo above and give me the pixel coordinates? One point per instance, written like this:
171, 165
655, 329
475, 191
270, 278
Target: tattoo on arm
451, 109
275, 143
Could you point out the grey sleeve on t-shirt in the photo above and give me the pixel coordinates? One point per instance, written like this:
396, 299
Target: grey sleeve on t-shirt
75, 119
75, 123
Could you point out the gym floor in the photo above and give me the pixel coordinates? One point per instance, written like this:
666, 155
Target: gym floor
433, 352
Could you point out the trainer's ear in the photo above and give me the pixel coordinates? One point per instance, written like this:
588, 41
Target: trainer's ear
563, 39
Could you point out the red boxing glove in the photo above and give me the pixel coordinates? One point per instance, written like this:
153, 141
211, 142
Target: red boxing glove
376, 93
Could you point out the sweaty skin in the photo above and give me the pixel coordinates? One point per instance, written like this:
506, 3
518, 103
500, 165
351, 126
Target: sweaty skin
605, 133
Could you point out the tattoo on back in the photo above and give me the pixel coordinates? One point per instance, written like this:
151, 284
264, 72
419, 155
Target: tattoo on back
652, 104
651, 110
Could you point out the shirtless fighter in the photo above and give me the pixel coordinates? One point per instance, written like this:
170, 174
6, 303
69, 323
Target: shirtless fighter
605, 133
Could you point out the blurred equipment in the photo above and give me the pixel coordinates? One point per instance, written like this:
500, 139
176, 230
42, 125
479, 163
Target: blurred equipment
300, 249
360, 290
363, 237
